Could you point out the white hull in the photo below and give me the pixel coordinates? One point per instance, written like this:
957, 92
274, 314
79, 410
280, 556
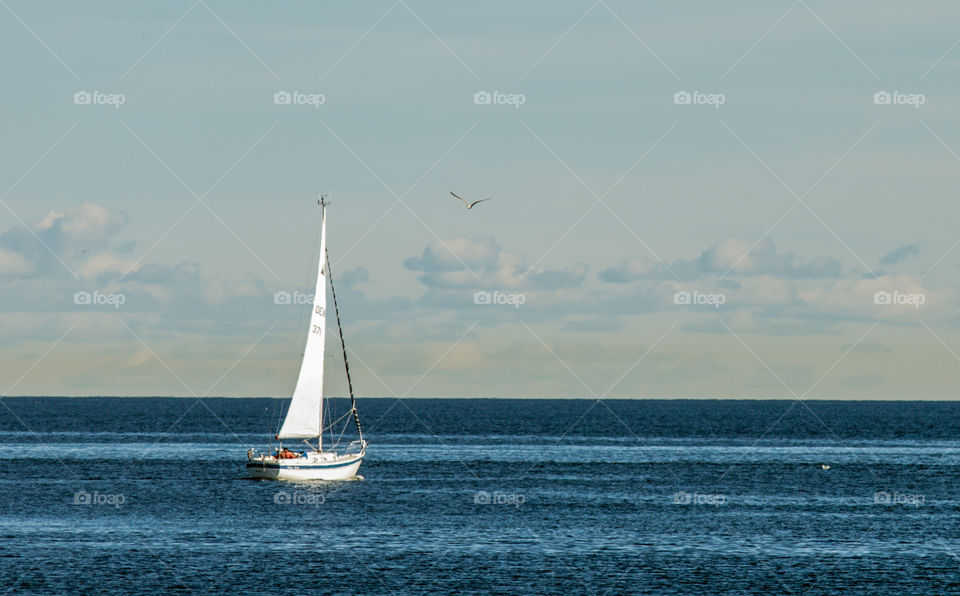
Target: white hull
316, 466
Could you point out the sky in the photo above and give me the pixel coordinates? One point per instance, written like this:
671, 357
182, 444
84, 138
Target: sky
697, 199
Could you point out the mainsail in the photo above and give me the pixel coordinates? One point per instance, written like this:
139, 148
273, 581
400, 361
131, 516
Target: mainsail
306, 410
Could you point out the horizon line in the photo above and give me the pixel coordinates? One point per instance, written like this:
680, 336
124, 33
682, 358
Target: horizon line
516, 398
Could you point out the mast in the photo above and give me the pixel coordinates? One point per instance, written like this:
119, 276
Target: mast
322, 200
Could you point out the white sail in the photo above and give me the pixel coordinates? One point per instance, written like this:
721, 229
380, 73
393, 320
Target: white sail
306, 410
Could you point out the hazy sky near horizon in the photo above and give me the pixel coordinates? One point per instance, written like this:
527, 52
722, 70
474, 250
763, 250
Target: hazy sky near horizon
792, 166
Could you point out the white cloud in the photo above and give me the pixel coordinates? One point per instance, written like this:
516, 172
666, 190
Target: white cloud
855, 299
104, 263
732, 257
65, 237
633, 269
81, 227
87, 221
478, 263
456, 254
13, 264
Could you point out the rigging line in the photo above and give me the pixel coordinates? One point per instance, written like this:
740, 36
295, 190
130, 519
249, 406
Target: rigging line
328, 411
274, 418
338, 419
335, 439
343, 347
342, 430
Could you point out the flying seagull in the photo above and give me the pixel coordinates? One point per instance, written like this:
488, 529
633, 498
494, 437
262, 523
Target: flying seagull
469, 205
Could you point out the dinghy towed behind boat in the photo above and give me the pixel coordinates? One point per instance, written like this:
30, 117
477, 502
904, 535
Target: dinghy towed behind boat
304, 418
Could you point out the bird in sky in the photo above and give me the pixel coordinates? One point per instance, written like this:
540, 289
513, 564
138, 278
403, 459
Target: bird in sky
469, 205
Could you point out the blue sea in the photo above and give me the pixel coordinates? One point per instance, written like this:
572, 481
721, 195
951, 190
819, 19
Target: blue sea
149, 495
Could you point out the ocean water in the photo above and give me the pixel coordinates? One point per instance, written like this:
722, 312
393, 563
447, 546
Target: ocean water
149, 495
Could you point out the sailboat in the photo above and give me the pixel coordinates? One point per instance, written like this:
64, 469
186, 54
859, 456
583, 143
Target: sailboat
304, 420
